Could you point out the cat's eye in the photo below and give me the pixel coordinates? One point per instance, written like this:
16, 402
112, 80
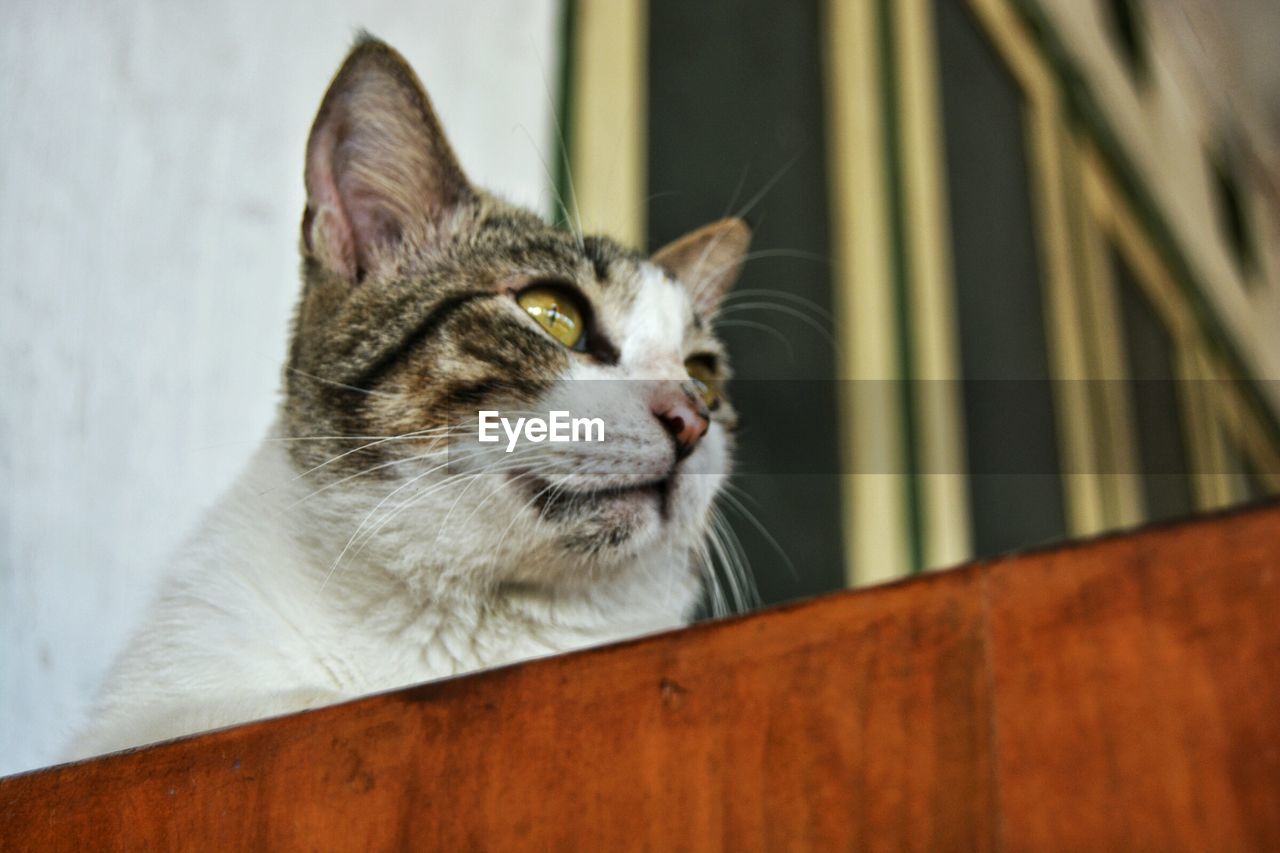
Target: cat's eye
557, 311
703, 373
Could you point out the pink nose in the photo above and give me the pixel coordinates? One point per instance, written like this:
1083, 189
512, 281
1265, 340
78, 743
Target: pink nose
680, 416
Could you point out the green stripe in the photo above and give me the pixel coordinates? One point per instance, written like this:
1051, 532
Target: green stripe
562, 144
1087, 115
890, 112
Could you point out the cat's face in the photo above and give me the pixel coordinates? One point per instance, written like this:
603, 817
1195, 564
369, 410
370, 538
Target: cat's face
427, 301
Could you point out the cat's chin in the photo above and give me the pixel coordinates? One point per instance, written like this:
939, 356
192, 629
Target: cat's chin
553, 501
613, 517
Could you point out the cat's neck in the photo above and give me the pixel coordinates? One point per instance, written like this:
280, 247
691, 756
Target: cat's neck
449, 611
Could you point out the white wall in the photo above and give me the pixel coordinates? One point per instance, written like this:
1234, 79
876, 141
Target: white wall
1169, 124
150, 194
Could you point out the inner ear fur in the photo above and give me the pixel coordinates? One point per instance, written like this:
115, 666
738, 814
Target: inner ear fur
707, 261
378, 164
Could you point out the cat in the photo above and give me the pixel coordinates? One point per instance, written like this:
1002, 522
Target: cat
372, 542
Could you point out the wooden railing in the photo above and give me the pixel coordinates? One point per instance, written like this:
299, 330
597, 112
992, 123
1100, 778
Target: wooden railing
1118, 694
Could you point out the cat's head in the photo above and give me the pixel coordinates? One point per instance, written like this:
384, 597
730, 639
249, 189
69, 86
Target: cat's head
426, 301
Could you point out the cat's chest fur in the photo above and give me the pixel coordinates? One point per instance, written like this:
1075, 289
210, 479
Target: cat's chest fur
358, 627
252, 622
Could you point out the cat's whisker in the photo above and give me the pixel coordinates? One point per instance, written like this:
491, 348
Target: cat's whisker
498, 467
791, 254
760, 327
337, 560
765, 254
495, 468
563, 152
286, 438
704, 281
736, 573
660, 194
355, 535
365, 533
515, 516
375, 443
369, 470
721, 606
520, 512
786, 310
282, 439
700, 282
767, 296
426, 432
768, 187
780, 297
429, 432
551, 181
742, 563
715, 591
737, 190
703, 550
336, 384
722, 559
487, 498
742, 493
750, 516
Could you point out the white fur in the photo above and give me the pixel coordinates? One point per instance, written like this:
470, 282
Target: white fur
259, 616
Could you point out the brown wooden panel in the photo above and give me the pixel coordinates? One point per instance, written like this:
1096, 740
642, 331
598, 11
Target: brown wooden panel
1137, 684
860, 721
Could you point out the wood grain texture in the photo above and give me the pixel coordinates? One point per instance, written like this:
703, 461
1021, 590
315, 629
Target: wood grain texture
1119, 694
1137, 686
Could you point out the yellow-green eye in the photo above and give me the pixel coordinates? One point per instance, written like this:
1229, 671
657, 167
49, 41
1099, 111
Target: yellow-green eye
556, 311
703, 374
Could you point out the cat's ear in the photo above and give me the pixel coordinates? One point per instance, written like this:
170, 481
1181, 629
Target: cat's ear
707, 261
378, 164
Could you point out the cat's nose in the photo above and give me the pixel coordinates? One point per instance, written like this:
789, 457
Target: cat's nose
683, 418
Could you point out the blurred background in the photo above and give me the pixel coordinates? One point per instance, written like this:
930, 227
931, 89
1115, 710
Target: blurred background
1016, 275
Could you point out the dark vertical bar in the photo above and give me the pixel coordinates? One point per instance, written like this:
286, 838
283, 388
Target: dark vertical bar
1158, 427
1015, 483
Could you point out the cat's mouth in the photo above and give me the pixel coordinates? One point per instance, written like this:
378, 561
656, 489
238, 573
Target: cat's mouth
557, 500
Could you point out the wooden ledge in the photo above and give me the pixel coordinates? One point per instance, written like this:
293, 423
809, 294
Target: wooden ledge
1116, 694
